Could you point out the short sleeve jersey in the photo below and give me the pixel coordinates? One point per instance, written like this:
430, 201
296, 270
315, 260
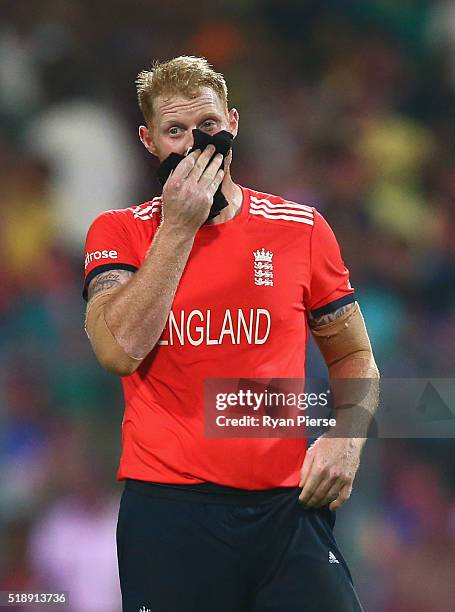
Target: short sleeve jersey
240, 311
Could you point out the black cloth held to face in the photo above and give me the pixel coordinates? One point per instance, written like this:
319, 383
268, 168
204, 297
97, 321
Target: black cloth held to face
222, 141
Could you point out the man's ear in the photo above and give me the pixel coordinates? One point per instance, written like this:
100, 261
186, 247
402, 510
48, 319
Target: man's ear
146, 138
233, 122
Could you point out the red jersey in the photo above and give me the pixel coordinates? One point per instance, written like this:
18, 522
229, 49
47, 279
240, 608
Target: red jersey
239, 312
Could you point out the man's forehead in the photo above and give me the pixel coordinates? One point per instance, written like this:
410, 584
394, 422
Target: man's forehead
178, 104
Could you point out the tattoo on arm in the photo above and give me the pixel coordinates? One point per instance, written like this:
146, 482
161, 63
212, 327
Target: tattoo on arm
108, 280
317, 322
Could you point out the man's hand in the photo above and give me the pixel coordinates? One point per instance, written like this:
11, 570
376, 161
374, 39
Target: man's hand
328, 471
189, 190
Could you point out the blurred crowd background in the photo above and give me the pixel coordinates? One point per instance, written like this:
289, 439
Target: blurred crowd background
348, 106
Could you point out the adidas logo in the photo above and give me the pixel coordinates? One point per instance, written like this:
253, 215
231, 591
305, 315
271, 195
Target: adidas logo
332, 558
144, 609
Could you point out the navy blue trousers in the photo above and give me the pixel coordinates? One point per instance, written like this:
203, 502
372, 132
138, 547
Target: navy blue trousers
183, 549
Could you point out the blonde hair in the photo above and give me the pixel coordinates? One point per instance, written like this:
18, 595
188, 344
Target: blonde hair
184, 75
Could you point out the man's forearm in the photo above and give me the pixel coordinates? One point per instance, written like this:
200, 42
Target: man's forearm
137, 314
355, 384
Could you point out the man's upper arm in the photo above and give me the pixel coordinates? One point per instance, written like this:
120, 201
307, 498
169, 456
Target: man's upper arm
334, 316
105, 345
107, 282
329, 288
110, 262
109, 251
320, 321
341, 333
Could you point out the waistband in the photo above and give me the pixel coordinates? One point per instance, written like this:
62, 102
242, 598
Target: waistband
208, 492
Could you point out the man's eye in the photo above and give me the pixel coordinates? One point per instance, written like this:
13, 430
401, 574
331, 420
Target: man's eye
208, 125
174, 131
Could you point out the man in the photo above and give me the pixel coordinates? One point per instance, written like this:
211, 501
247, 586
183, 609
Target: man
174, 299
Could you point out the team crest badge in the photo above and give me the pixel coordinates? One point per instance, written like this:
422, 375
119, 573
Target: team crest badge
263, 268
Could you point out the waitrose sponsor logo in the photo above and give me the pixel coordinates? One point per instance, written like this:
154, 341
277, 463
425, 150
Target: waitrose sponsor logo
95, 255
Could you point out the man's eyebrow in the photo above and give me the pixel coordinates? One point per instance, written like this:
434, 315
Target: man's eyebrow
170, 122
179, 122
211, 115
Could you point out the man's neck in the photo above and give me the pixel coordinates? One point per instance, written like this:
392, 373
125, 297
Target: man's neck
234, 196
